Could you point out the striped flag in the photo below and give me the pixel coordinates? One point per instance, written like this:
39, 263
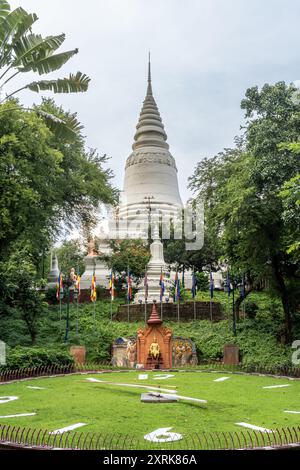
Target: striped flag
228, 284
129, 286
211, 285
162, 285
177, 287
194, 285
93, 288
112, 285
146, 287
77, 284
59, 286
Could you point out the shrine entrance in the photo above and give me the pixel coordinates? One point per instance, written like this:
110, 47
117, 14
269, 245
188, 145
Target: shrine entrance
154, 343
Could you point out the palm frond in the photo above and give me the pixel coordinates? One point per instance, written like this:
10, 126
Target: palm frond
68, 128
50, 63
25, 25
10, 23
4, 9
27, 46
73, 84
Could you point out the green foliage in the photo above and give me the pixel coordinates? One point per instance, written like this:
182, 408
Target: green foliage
241, 189
21, 357
202, 281
128, 253
70, 255
251, 309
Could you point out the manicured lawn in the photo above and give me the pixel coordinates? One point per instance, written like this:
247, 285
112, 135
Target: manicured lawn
114, 409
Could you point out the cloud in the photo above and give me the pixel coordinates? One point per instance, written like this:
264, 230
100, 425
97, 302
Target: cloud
205, 53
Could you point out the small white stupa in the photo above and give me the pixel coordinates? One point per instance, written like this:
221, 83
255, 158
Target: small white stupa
155, 268
54, 271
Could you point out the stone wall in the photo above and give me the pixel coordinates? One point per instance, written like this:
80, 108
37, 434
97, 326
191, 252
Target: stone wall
170, 312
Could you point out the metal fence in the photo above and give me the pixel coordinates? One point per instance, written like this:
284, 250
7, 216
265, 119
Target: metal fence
30, 438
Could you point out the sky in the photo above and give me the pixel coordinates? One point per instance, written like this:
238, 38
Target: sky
204, 55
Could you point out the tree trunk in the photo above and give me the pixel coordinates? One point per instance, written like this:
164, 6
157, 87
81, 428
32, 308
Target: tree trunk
281, 288
239, 300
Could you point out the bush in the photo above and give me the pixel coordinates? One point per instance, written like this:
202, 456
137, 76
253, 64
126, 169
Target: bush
22, 357
251, 309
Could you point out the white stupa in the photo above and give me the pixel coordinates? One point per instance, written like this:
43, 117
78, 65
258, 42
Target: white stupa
150, 172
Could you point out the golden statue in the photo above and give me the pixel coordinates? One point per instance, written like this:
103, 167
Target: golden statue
154, 349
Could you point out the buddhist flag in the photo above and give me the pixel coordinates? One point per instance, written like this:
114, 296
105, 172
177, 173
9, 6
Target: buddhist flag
146, 287
162, 285
93, 288
228, 284
59, 286
112, 285
194, 285
177, 287
211, 285
129, 286
77, 284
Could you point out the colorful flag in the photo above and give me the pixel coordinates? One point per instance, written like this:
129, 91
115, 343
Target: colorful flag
243, 287
177, 287
59, 286
194, 285
146, 287
77, 284
162, 285
228, 284
93, 288
211, 285
112, 285
129, 286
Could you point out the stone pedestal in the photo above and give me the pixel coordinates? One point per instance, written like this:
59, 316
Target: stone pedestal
231, 354
94, 263
79, 353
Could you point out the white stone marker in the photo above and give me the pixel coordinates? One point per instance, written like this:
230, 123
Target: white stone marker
255, 428
221, 379
277, 386
68, 428
18, 415
7, 399
163, 435
36, 388
163, 376
143, 376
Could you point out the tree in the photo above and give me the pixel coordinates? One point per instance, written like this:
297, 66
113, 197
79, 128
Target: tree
19, 289
132, 254
70, 255
242, 188
22, 51
45, 182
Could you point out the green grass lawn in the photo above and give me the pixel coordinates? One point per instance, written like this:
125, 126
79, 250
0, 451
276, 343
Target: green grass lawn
114, 409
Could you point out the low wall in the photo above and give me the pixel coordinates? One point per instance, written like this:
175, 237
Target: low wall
187, 312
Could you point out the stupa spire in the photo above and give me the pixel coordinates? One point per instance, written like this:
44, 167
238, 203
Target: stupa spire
150, 129
149, 88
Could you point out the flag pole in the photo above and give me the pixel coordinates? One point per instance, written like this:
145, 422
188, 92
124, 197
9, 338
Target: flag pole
146, 292
194, 293
111, 293
128, 287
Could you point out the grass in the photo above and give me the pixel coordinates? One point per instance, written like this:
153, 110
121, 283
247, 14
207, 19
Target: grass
114, 409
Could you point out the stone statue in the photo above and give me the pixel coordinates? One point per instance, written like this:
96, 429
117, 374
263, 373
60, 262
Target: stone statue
154, 349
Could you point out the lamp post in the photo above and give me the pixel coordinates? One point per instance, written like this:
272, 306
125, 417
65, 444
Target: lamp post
148, 200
